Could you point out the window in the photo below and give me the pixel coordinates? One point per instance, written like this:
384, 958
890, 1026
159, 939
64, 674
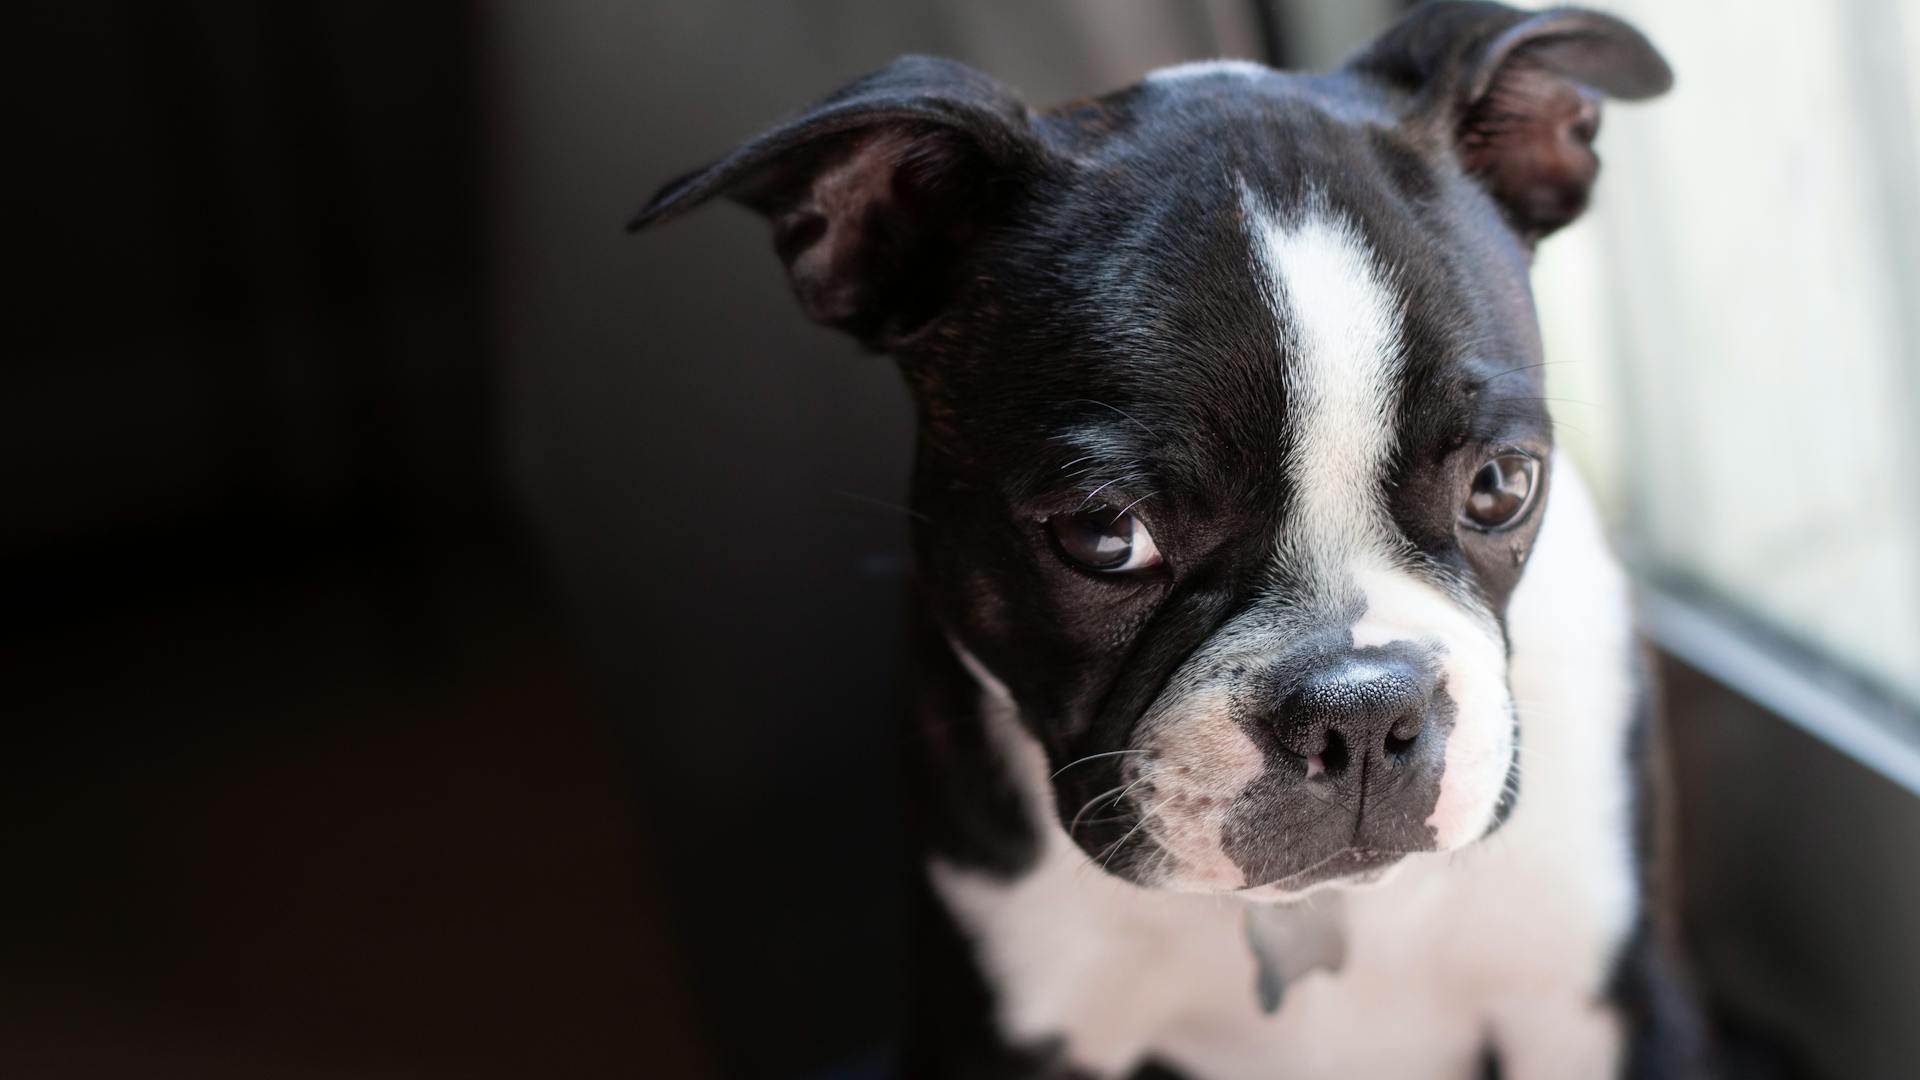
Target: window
1734, 333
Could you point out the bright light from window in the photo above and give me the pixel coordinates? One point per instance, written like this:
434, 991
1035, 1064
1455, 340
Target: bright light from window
1735, 331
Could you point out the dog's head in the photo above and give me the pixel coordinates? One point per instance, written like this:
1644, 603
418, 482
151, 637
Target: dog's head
1231, 437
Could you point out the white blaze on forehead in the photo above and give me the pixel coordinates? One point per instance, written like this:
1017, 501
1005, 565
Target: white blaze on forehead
1341, 325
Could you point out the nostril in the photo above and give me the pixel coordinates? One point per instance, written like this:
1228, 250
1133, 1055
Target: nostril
1401, 737
1334, 758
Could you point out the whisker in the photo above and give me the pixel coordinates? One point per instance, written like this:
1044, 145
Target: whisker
1091, 757
1095, 493
1542, 397
1107, 820
1144, 818
1122, 412
1108, 796
1515, 371
1116, 795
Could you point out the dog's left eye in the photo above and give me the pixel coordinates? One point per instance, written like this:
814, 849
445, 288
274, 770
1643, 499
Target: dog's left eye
1502, 492
1104, 539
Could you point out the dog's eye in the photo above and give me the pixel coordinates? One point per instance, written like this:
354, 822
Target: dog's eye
1104, 539
1502, 492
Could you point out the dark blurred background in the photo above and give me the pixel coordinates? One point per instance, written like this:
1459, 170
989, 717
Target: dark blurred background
442, 636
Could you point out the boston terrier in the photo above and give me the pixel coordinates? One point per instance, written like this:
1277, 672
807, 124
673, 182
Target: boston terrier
1277, 704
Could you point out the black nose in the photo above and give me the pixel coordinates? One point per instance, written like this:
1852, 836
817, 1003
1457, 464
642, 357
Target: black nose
1348, 708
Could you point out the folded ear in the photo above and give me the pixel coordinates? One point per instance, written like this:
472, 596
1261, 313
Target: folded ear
1518, 94
878, 194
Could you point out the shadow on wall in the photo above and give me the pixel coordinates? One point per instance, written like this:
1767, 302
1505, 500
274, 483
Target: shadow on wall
304, 773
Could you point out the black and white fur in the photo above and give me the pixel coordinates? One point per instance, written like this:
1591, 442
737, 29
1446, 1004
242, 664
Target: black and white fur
1273, 323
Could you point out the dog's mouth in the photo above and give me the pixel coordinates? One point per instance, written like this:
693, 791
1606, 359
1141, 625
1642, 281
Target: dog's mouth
1348, 866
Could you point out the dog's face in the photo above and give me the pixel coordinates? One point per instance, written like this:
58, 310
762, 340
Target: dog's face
1232, 443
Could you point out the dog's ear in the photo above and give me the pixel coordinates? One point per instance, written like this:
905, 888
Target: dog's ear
1518, 95
877, 194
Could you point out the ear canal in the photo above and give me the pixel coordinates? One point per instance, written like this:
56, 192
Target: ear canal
1518, 95
878, 195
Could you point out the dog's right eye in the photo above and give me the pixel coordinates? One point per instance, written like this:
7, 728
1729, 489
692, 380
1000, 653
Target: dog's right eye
1103, 539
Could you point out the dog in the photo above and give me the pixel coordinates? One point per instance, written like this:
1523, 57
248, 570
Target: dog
1278, 711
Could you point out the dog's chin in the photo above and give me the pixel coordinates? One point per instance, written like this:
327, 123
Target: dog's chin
1352, 869
1349, 868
